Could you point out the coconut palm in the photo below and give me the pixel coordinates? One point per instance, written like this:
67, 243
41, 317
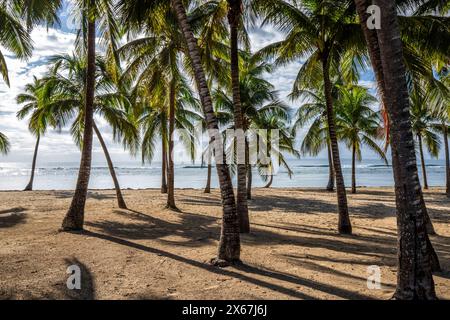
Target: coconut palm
423, 125
312, 115
261, 109
229, 246
151, 16
275, 152
36, 99
13, 36
235, 19
68, 78
321, 32
4, 144
154, 123
154, 60
93, 13
414, 278
357, 124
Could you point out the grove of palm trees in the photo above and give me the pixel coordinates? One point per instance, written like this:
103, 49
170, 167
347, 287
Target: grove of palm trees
274, 149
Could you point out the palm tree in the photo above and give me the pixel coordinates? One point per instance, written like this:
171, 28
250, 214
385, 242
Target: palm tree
36, 98
322, 32
414, 278
423, 126
92, 11
261, 109
234, 19
229, 246
13, 36
4, 144
357, 124
312, 113
68, 78
155, 60
154, 122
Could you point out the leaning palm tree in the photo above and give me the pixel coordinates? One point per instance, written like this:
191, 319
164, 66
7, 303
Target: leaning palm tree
36, 99
357, 124
229, 246
92, 12
321, 32
312, 116
148, 13
414, 278
423, 125
68, 80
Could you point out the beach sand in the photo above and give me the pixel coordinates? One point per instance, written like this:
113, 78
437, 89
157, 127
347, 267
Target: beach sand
293, 252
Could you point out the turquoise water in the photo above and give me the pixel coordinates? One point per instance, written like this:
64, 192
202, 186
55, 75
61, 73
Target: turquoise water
307, 173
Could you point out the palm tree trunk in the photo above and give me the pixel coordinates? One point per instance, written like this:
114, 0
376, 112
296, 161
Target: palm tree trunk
171, 168
120, 201
375, 57
164, 167
208, 179
330, 186
74, 219
447, 159
249, 182
353, 169
414, 276
229, 245
29, 187
234, 16
269, 184
422, 162
344, 225
249, 170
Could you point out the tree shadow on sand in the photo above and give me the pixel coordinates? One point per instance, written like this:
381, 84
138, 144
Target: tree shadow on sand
12, 217
246, 273
195, 229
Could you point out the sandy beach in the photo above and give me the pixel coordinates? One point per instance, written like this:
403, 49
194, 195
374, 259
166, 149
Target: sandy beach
147, 252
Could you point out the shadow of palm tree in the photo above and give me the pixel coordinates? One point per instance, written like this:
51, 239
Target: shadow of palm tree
246, 276
12, 217
195, 229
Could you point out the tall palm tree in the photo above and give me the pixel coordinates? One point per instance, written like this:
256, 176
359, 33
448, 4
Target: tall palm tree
155, 60
36, 98
414, 277
154, 123
229, 246
424, 128
92, 11
234, 19
322, 32
261, 109
151, 13
312, 114
357, 124
68, 78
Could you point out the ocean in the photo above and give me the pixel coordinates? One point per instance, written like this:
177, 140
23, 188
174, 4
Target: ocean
133, 175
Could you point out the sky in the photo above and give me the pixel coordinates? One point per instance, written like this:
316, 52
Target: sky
59, 147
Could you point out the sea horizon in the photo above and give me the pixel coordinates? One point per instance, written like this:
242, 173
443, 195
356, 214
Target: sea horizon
308, 173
